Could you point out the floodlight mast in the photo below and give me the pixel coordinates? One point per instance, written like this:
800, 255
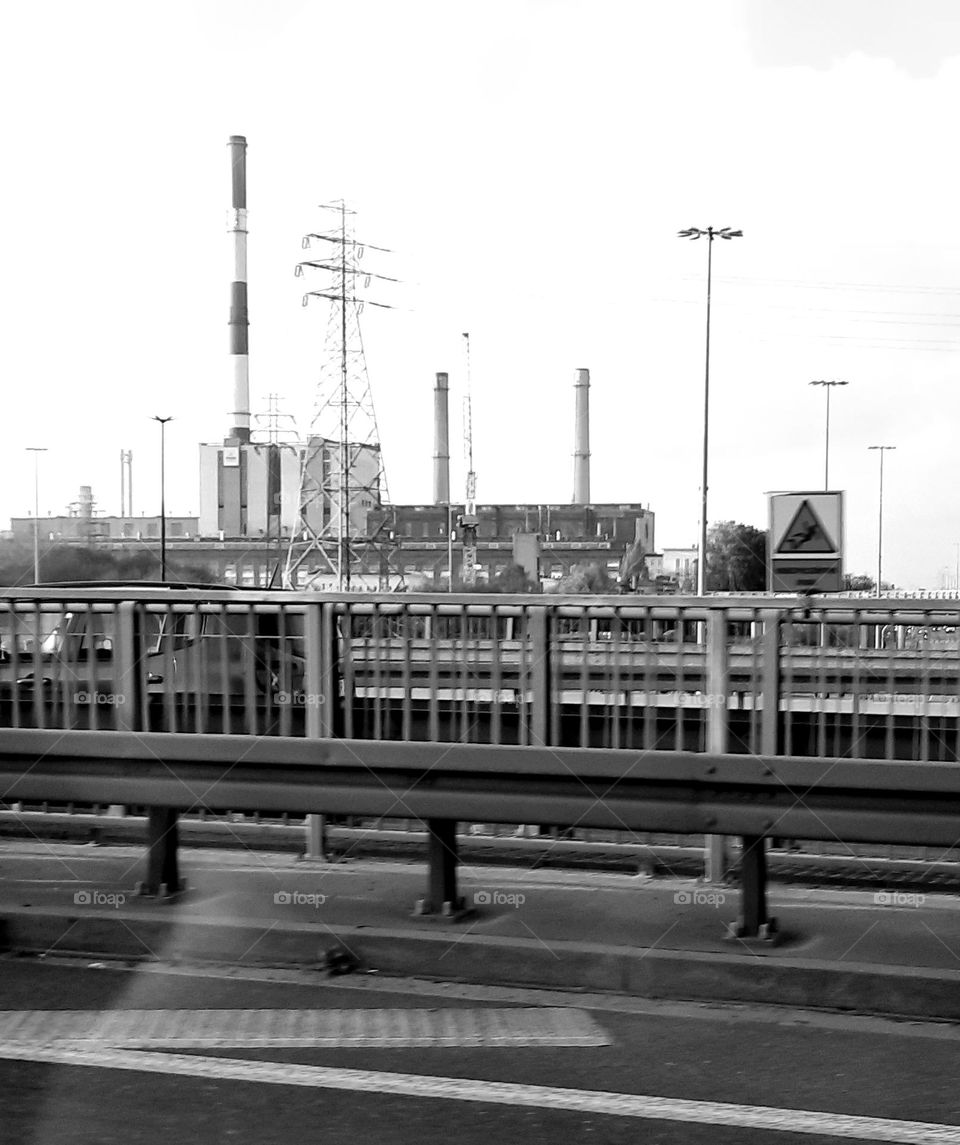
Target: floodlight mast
828, 386
710, 233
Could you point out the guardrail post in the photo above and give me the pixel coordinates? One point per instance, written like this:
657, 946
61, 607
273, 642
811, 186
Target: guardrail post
753, 921
320, 697
163, 867
442, 897
716, 857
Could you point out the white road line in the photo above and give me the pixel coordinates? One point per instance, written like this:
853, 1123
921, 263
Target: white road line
310, 1028
500, 1093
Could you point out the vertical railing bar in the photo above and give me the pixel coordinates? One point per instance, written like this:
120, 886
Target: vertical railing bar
861, 631
377, 619
226, 706
92, 681
616, 637
169, 660
37, 670
406, 701
770, 683
540, 677
202, 661
286, 685
249, 652
15, 664
678, 716
651, 686
496, 675
585, 654
434, 654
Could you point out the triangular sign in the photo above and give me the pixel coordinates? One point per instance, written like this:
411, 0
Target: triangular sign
806, 533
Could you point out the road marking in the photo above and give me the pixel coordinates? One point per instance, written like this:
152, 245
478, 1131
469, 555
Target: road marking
310, 1028
753, 1013
499, 1093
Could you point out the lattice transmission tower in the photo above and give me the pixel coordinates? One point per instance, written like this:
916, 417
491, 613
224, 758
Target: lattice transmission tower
342, 538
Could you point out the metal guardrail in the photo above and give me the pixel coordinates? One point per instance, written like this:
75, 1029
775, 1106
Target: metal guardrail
857, 801
743, 717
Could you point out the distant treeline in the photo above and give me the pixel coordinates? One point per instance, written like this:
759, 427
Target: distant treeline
76, 563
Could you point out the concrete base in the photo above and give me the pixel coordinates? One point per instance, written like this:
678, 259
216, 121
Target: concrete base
154, 933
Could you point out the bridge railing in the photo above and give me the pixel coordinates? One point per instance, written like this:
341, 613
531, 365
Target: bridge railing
844, 678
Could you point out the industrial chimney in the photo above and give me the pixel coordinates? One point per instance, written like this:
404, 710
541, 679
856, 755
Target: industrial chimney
581, 451
441, 442
237, 229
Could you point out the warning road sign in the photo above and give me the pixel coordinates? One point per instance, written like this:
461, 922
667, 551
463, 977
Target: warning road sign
806, 534
805, 542
806, 523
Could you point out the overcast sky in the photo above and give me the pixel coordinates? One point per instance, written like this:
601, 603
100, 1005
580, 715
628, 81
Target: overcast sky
528, 163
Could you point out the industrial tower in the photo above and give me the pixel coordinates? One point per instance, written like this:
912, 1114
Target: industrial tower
342, 477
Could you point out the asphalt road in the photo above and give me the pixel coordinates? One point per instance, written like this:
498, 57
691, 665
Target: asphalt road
807, 1072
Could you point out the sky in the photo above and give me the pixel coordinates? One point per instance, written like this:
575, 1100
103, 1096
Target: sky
528, 165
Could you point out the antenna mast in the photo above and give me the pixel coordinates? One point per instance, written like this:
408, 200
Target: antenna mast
342, 478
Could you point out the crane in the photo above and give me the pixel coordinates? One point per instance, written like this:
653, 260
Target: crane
468, 520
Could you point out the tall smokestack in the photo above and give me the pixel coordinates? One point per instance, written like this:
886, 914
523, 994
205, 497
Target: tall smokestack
441, 442
581, 452
237, 229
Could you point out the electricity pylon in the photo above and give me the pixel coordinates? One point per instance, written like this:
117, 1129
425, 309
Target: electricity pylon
340, 537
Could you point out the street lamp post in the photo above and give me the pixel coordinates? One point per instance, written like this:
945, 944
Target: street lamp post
710, 233
882, 449
36, 450
163, 505
828, 386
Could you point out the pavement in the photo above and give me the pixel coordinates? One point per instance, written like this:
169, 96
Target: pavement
892, 952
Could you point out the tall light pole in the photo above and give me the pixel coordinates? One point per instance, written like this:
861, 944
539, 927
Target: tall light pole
883, 449
710, 233
163, 504
36, 450
828, 386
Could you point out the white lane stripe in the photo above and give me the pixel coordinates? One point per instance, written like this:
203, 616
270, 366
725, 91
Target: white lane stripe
205, 1029
500, 1093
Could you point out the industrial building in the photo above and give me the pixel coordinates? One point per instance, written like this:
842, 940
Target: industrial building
304, 512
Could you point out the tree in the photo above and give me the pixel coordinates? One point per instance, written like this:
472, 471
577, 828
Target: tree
736, 558
860, 582
514, 578
633, 567
587, 578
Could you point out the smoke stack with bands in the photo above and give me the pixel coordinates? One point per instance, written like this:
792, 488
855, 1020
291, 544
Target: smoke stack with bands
237, 229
